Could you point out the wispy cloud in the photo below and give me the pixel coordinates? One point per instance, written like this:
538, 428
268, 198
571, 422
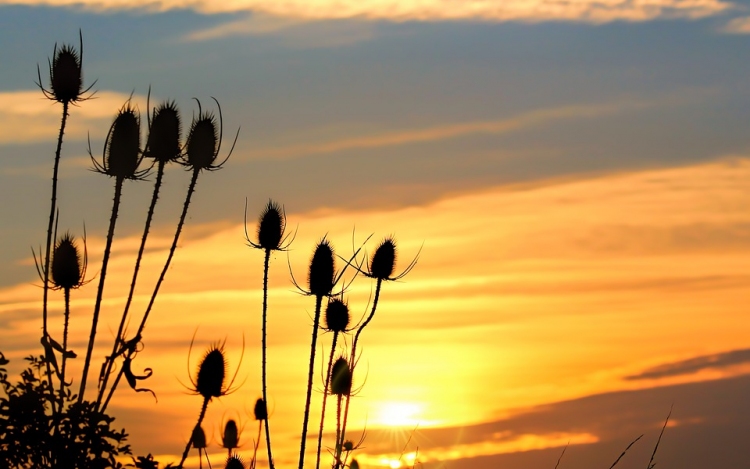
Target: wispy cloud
739, 25
594, 11
716, 361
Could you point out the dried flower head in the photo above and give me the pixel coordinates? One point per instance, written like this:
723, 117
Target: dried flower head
337, 315
260, 411
65, 74
341, 378
234, 462
122, 153
354, 464
271, 227
198, 438
383, 262
165, 129
210, 381
68, 267
321, 276
230, 438
204, 141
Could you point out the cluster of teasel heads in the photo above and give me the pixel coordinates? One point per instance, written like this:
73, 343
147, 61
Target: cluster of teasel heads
63, 264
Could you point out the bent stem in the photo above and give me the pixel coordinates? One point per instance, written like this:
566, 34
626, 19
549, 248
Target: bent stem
183, 216
316, 322
119, 337
263, 359
190, 441
48, 246
325, 398
354, 360
100, 290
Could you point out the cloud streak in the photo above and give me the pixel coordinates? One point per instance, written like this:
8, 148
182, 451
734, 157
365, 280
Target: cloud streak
591, 11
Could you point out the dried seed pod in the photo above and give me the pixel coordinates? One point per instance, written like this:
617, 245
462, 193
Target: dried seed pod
211, 373
163, 144
234, 462
203, 141
271, 226
122, 153
337, 315
322, 269
354, 464
198, 438
260, 411
66, 77
67, 266
230, 438
341, 378
383, 260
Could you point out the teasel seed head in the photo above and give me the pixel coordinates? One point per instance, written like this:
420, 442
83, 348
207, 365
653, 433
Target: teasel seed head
212, 373
337, 315
163, 143
122, 148
198, 438
260, 411
202, 142
230, 438
354, 464
341, 378
68, 268
384, 260
66, 76
234, 462
271, 226
322, 270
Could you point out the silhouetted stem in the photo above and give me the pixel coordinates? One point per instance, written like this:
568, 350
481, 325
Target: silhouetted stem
48, 246
338, 430
190, 441
264, 347
318, 302
64, 344
325, 398
172, 249
119, 337
100, 290
354, 359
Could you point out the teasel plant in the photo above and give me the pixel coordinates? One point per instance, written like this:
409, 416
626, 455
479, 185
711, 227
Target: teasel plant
121, 159
270, 237
380, 268
210, 382
200, 154
65, 87
163, 147
198, 441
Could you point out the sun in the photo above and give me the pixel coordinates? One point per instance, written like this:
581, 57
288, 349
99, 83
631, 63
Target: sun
399, 414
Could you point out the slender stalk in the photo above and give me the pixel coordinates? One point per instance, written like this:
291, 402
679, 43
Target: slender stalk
52, 210
325, 398
64, 344
338, 429
183, 216
264, 348
354, 360
100, 290
190, 442
316, 322
119, 337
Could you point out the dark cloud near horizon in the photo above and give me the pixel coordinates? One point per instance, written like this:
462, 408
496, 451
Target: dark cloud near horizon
693, 365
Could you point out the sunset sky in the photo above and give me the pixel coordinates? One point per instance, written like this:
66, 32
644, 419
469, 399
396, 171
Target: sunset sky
573, 175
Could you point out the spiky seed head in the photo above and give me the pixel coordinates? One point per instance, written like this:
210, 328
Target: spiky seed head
348, 445
271, 226
66, 264
354, 464
337, 315
341, 378
384, 260
122, 153
322, 269
198, 438
66, 76
260, 410
234, 462
202, 142
230, 438
163, 144
211, 373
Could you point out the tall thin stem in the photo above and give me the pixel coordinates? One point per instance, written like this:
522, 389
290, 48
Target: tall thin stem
354, 360
52, 209
119, 337
190, 442
178, 231
325, 398
264, 346
64, 345
100, 290
316, 322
